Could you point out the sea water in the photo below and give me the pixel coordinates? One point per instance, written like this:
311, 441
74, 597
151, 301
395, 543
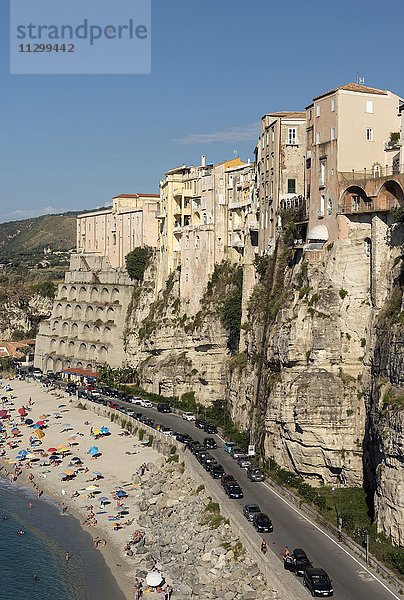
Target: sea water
42, 549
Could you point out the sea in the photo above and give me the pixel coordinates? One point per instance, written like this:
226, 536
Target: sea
42, 549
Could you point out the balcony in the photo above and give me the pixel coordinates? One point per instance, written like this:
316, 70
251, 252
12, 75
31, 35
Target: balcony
253, 226
360, 206
237, 244
177, 192
162, 215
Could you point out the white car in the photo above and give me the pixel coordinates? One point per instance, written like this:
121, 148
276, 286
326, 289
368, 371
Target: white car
188, 416
146, 404
136, 400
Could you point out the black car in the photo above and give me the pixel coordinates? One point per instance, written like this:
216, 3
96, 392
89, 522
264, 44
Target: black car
209, 465
210, 443
209, 428
164, 408
196, 447
226, 478
255, 474
183, 437
233, 490
201, 455
297, 562
200, 423
217, 471
250, 510
262, 523
318, 582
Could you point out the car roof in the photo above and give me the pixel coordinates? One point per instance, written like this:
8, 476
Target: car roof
299, 552
251, 506
316, 571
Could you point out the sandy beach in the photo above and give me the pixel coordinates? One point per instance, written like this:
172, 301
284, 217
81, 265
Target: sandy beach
110, 471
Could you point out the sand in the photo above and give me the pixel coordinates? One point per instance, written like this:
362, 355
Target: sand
120, 457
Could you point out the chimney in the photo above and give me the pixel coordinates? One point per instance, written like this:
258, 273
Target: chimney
203, 161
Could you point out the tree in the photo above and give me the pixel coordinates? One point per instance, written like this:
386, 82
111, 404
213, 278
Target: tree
137, 262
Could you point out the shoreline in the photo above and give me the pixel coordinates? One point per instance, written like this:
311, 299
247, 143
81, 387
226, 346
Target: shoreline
116, 472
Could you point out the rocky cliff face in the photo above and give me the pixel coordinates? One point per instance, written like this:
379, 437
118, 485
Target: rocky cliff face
20, 316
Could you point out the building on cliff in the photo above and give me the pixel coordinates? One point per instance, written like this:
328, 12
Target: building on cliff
86, 327
349, 133
279, 158
116, 231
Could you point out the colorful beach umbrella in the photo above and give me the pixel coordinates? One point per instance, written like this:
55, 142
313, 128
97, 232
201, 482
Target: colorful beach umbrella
51, 450
121, 494
69, 472
93, 450
22, 411
39, 434
3, 414
91, 488
104, 430
40, 423
28, 421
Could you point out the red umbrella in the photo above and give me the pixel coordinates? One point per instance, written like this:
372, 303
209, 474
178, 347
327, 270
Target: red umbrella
52, 450
40, 423
3, 413
22, 411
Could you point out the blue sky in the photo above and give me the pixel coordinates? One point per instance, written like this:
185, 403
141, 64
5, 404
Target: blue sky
73, 142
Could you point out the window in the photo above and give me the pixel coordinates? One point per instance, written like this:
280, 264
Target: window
368, 247
318, 137
292, 136
329, 206
197, 242
369, 106
369, 134
322, 207
310, 114
318, 110
323, 168
291, 186
333, 133
332, 104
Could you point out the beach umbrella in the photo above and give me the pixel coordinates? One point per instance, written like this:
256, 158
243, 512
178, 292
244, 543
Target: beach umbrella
104, 430
15, 431
154, 579
39, 434
22, 454
44, 417
69, 472
91, 488
22, 411
62, 406
63, 448
28, 421
97, 431
93, 450
98, 474
55, 457
3, 414
52, 450
40, 423
35, 426
121, 494
103, 499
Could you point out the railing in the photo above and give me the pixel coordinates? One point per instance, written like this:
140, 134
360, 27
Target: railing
353, 207
373, 173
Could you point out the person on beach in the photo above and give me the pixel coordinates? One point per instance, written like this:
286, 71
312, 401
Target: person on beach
264, 547
286, 553
168, 592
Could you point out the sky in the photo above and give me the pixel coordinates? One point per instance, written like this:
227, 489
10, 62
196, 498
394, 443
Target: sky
71, 142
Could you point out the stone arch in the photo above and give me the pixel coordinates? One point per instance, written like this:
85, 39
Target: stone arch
110, 313
63, 292
82, 348
62, 347
99, 313
79, 365
53, 345
77, 312
67, 364
57, 365
89, 366
196, 218
89, 314
82, 293
70, 348
103, 353
107, 330
105, 295
74, 330
93, 351
49, 364
390, 195
65, 329
97, 330
86, 328
367, 246
115, 295
55, 325
73, 293
59, 309
68, 311
94, 296
354, 199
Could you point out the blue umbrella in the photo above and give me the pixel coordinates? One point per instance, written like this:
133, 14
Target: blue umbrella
103, 499
121, 494
93, 450
28, 421
36, 426
22, 454
104, 430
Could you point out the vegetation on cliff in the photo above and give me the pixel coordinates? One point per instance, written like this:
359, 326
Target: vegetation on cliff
137, 262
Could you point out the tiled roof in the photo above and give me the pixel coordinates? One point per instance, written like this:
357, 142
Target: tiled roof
137, 196
81, 372
354, 87
12, 349
292, 114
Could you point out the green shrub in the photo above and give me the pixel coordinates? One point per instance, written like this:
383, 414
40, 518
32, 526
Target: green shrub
174, 458
200, 488
137, 262
141, 434
343, 293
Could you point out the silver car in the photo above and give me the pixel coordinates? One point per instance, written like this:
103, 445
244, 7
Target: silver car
250, 510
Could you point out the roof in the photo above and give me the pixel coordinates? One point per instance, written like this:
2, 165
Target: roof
318, 233
12, 349
81, 372
354, 87
136, 196
293, 114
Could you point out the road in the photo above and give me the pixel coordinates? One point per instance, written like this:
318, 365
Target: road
352, 579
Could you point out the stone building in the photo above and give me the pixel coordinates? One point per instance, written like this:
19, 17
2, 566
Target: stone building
116, 231
348, 134
279, 157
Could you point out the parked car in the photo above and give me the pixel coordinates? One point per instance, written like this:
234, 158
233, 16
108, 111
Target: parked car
233, 490
226, 478
183, 438
201, 455
209, 464
136, 400
209, 428
195, 447
146, 404
236, 452
297, 562
250, 510
244, 461
262, 523
188, 416
200, 423
228, 447
217, 471
318, 582
255, 474
210, 443
208, 459
163, 407
166, 430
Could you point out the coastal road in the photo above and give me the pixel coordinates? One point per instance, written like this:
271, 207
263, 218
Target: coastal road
352, 579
